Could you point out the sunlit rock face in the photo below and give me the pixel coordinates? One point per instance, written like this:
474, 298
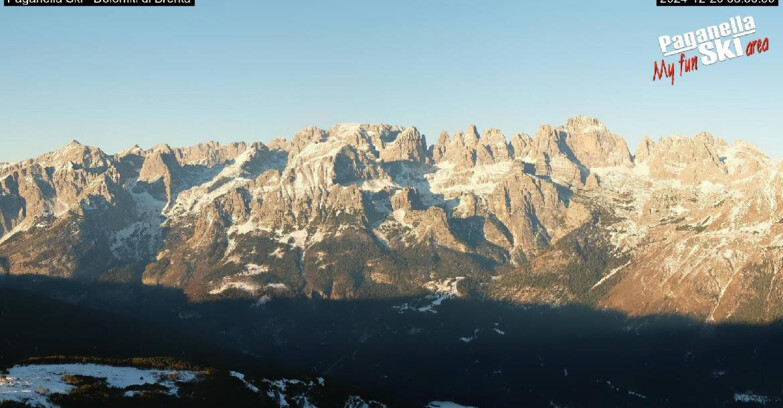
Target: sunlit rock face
687, 225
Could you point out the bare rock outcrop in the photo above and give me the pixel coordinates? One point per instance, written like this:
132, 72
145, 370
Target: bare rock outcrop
688, 225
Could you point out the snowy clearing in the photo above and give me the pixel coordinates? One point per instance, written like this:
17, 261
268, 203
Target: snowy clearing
32, 384
750, 397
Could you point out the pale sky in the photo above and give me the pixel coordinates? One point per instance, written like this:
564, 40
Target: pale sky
253, 71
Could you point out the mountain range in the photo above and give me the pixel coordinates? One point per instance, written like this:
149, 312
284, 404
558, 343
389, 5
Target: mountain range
690, 226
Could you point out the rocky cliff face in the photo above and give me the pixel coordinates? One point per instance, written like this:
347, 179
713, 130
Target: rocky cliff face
688, 225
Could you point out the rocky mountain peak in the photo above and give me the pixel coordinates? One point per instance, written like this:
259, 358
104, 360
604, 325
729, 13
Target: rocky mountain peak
742, 159
410, 145
278, 144
75, 155
520, 145
162, 148
593, 145
466, 149
689, 159
644, 150
305, 137
493, 147
584, 124
471, 136
688, 224
133, 150
547, 140
440, 147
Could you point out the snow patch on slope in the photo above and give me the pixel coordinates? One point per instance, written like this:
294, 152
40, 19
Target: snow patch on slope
33, 384
442, 290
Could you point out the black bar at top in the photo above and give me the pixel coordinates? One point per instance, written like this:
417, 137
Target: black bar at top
716, 3
99, 3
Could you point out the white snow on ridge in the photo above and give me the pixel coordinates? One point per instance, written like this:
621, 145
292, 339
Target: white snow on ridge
253, 269
278, 253
609, 275
707, 187
750, 397
471, 338
678, 209
261, 301
446, 289
480, 179
32, 384
139, 239
245, 228
241, 377
295, 239
376, 185
246, 286
20, 227
210, 187
442, 290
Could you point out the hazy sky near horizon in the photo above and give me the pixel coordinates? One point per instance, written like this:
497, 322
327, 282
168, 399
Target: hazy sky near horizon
254, 70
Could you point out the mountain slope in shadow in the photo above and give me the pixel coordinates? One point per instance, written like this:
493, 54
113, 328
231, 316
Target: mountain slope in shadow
409, 351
